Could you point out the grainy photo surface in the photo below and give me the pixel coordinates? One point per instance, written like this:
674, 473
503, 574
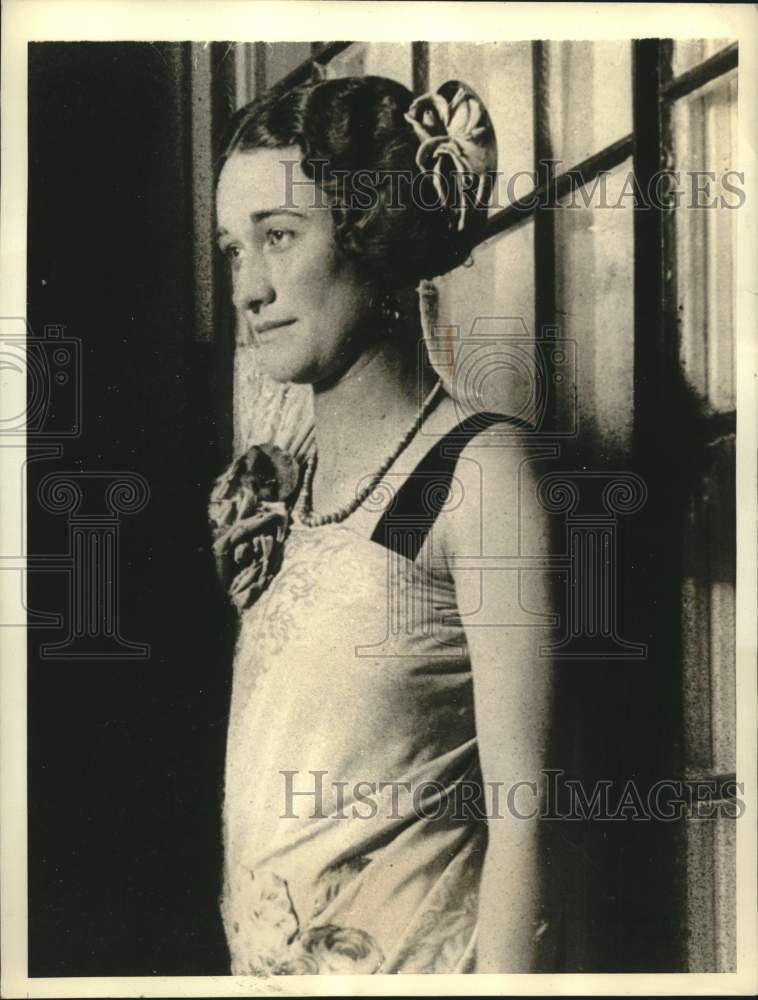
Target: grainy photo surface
378, 567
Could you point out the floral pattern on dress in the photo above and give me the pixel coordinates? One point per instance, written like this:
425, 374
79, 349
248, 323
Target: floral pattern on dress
443, 933
277, 621
267, 926
416, 596
333, 880
335, 950
268, 941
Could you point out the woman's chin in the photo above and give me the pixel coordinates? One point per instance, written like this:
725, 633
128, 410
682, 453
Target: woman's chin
281, 369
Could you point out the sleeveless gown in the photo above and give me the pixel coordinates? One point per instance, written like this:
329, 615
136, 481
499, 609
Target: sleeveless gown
352, 752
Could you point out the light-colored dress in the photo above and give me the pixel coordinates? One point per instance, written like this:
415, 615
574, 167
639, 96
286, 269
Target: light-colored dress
351, 757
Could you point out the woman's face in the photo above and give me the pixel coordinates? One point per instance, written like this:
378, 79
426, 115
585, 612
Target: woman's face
301, 298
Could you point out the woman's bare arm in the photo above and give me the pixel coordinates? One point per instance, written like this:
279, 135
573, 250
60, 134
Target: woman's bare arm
499, 516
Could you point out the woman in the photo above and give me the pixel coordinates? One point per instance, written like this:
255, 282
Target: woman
376, 713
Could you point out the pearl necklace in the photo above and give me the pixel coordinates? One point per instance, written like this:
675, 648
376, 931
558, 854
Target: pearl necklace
302, 512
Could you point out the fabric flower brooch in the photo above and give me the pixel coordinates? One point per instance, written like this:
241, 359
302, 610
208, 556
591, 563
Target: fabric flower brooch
457, 147
249, 517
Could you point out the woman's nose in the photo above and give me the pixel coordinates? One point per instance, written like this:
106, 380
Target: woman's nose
252, 286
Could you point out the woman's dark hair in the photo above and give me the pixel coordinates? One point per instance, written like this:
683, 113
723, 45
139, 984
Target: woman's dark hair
357, 146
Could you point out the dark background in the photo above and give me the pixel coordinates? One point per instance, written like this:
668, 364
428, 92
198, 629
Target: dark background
126, 757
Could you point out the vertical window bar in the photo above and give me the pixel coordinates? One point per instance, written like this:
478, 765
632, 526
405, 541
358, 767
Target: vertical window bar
201, 160
578, 943
213, 93
222, 101
420, 64
656, 346
653, 873
244, 73
544, 218
664, 191
259, 63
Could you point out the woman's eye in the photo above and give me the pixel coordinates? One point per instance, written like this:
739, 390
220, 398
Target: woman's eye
231, 251
278, 238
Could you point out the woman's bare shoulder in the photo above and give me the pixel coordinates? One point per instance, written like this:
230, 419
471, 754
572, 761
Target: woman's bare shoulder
493, 497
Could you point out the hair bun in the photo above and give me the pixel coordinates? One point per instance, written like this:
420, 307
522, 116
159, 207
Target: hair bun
458, 148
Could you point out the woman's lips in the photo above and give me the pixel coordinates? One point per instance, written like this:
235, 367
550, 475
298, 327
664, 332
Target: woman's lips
260, 328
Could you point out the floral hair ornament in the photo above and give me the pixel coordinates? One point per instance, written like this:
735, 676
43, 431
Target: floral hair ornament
458, 148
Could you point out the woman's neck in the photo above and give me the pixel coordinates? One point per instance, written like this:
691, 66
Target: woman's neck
366, 408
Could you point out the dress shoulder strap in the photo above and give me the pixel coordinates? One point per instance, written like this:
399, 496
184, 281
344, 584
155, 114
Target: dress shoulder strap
408, 518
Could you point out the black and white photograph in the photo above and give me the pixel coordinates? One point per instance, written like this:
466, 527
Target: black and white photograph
378, 438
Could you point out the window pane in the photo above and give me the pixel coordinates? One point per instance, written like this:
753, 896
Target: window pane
590, 97
711, 894
282, 57
391, 59
705, 140
595, 300
350, 62
708, 626
493, 361
688, 52
501, 74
